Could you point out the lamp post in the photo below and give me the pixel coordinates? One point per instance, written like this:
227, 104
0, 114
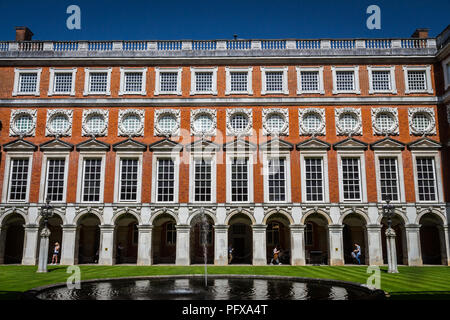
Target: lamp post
388, 212
46, 213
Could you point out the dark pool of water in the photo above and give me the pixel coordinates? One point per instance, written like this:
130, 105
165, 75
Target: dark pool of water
217, 289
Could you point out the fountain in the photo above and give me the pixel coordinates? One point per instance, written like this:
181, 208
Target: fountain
205, 229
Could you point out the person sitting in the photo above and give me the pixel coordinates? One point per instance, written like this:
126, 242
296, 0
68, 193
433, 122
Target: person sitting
357, 253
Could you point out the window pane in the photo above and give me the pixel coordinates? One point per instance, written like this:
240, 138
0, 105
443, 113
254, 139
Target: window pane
98, 82
168, 81
274, 81
277, 180
63, 82
239, 180
202, 180
388, 179
314, 179
128, 179
92, 180
238, 81
28, 82
345, 80
19, 178
55, 179
426, 179
309, 80
165, 180
351, 179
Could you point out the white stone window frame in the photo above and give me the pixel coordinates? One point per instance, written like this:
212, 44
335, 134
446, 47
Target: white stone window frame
428, 84
122, 88
17, 72
391, 69
7, 179
80, 181
158, 72
320, 112
49, 155
51, 87
356, 86
394, 130
284, 113
362, 172
429, 112
211, 113
340, 131
90, 112
319, 70
269, 155
243, 111
87, 83
230, 156
123, 113
397, 154
51, 113
199, 156
305, 154
194, 71
174, 155
437, 171
264, 70
446, 70
15, 114
117, 182
229, 71
158, 131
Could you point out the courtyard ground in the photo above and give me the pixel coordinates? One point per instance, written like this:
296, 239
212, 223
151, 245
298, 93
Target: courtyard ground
429, 282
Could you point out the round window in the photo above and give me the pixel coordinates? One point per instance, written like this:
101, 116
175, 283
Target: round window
23, 123
95, 123
312, 121
239, 122
59, 123
421, 121
275, 123
131, 123
203, 123
167, 123
384, 121
348, 121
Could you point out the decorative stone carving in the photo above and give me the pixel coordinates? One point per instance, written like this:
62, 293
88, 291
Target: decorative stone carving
429, 113
14, 131
210, 113
246, 112
86, 116
305, 131
51, 114
123, 114
393, 113
342, 131
282, 112
159, 131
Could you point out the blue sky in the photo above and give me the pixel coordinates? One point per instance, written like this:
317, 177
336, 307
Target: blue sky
213, 19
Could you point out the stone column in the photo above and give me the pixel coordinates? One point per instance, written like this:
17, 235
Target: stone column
144, 257
297, 244
374, 244
445, 251
335, 238
221, 245
43, 249
413, 244
259, 245
69, 238
106, 251
30, 244
3, 231
391, 251
183, 242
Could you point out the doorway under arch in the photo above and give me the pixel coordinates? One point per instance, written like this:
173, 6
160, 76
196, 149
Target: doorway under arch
88, 239
355, 232
316, 239
400, 240
126, 238
278, 234
14, 239
164, 240
240, 238
432, 239
202, 232
55, 226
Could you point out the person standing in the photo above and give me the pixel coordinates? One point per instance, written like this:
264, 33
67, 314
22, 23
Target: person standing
230, 253
55, 253
357, 253
276, 253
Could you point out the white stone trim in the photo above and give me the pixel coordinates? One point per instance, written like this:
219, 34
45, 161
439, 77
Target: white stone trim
198, 156
7, 175
229, 70
278, 154
17, 72
340, 131
429, 112
244, 111
194, 71
397, 154
209, 112
315, 154
392, 82
44, 173
394, 130
321, 89
285, 89
428, 84
51, 113
176, 160
356, 87
122, 87
362, 170
437, 170
90, 112
446, 71
117, 181
230, 155
284, 113
158, 72
80, 180
51, 86
158, 131
16, 113
140, 113
87, 84
302, 112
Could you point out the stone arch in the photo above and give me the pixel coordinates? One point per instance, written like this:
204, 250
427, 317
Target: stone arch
236, 212
120, 213
320, 212
161, 212
398, 213
9, 212
197, 212
284, 213
12, 238
433, 245
433, 212
59, 214
358, 212
84, 212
